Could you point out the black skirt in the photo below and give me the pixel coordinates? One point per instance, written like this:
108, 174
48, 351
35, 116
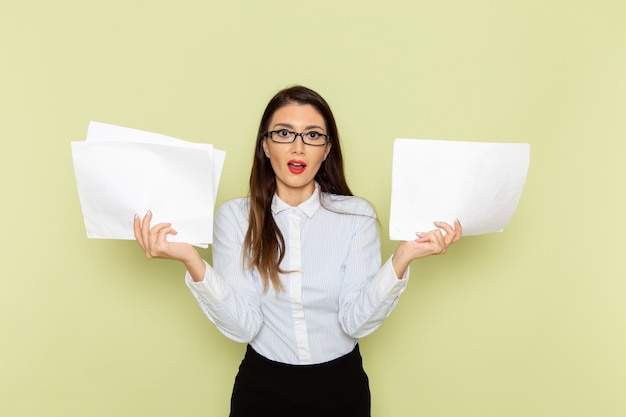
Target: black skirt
267, 388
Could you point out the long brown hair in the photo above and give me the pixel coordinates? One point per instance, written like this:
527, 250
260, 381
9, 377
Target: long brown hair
264, 244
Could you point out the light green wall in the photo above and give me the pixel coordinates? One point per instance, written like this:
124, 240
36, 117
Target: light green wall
529, 322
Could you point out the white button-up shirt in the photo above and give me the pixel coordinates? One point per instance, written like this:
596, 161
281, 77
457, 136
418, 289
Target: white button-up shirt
335, 292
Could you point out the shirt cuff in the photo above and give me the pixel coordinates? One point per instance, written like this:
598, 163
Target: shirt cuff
388, 285
212, 287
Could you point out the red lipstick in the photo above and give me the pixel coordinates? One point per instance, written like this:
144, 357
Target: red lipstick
296, 166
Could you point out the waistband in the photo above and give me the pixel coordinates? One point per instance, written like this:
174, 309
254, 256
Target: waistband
260, 363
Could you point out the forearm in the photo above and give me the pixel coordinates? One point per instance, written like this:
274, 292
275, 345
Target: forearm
401, 260
366, 312
236, 315
195, 267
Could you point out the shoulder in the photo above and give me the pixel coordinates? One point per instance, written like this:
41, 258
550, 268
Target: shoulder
234, 209
348, 204
230, 225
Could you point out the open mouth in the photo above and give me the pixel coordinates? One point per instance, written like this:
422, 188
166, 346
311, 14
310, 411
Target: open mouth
296, 167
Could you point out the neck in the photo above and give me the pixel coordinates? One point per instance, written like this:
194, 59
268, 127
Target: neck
295, 197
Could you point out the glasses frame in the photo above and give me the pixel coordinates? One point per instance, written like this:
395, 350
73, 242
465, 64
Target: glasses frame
270, 134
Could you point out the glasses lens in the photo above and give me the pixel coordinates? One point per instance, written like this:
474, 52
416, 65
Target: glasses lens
314, 138
282, 135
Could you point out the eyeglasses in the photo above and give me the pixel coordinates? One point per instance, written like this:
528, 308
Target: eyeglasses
312, 137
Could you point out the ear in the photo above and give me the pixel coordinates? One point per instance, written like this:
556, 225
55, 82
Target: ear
327, 151
266, 148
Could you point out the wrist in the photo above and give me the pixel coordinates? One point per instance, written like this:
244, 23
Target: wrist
195, 266
400, 262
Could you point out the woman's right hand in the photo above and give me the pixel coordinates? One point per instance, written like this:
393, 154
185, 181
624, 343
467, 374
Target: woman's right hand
153, 241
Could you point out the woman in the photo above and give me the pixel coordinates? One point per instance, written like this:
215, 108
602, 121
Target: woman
297, 272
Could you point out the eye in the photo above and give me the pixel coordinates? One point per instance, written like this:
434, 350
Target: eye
313, 135
283, 133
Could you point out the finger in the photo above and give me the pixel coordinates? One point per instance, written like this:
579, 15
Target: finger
163, 232
445, 226
435, 240
426, 237
145, 230
158, 235
448, 233
453, 234
441, 245
137, 231
458, 230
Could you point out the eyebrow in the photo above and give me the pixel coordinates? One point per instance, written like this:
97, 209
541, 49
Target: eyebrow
289, 126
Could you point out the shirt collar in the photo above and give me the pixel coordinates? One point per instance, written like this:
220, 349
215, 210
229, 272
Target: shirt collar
309, 206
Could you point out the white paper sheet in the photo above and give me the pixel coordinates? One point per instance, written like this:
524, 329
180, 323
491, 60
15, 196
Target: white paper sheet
478, 183
105, 132
121, 172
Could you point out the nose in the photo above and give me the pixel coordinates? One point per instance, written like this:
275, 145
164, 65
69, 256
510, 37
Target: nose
298, 146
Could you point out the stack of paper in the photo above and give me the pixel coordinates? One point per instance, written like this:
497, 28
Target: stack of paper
121, 172
478, 183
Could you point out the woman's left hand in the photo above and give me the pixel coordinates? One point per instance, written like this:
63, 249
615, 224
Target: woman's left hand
434, 242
